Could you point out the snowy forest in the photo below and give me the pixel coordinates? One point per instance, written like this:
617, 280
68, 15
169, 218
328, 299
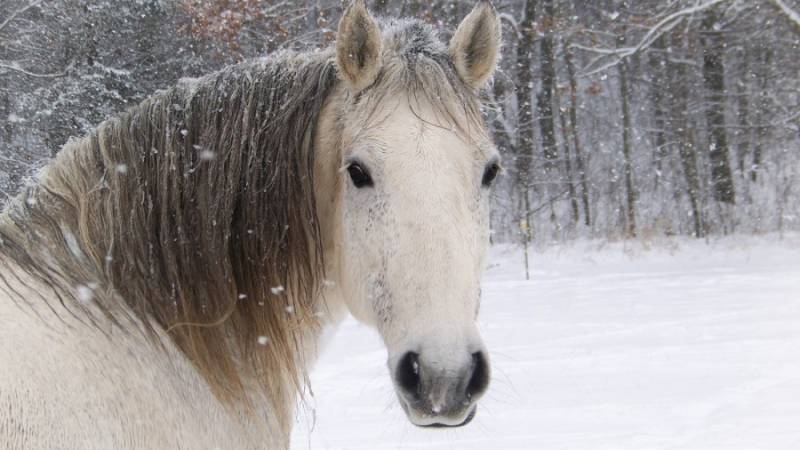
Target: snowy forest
616, 119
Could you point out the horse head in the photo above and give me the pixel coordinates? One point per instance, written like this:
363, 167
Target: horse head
411, 218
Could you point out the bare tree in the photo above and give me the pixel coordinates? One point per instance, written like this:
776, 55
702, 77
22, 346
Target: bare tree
714, 75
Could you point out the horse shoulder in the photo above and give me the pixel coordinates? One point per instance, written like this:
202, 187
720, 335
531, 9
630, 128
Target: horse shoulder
66, 384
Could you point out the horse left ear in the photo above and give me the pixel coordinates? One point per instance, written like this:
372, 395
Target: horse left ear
358, 47
475, 46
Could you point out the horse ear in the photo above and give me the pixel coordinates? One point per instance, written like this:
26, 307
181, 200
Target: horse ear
358, 47
475, 47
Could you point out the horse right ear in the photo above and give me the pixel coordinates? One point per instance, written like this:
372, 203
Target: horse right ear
358, 47
475, 46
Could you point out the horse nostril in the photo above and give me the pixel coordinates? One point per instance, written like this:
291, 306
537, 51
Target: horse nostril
407, 374
479, 380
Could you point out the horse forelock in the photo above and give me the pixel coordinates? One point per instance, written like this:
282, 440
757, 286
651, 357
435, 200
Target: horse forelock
417, 63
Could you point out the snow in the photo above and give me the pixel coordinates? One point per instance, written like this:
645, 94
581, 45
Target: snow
678, 344
789, 12
207, 155
13, 118
112, 70
86, 292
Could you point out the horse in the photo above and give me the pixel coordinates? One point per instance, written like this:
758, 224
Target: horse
167, 279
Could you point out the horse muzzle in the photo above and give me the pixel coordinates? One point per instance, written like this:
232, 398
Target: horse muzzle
434, 395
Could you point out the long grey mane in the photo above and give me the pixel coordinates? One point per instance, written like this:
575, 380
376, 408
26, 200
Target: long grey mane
194, 208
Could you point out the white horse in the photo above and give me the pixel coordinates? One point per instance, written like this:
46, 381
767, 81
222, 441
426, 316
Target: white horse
167, 280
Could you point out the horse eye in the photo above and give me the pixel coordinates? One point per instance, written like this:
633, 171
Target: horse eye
489, 174
359, 175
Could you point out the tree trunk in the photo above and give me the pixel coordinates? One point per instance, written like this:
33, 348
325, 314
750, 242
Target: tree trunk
544, 101
574, 132
524, 156
501, 135
573, 195
714, 77
627, 164
743, 107
656, 68
682, 134
7, 170
763, 104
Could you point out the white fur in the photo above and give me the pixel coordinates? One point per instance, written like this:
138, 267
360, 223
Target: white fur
66, 385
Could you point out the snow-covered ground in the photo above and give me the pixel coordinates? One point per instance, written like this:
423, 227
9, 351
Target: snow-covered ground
680, 344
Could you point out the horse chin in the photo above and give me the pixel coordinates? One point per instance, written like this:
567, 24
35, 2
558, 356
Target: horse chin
467, 420
424, 420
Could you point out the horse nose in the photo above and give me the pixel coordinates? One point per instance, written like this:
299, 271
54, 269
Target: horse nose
407, 375
479, 378
434, 390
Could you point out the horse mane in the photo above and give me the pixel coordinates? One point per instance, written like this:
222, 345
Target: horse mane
196, 209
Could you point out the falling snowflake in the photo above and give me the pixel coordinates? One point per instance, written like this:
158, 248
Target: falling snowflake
85, 293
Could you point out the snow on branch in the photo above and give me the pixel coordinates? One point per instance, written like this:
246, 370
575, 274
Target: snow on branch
666, 24
14, 67
512, 21
791, 14
16, 13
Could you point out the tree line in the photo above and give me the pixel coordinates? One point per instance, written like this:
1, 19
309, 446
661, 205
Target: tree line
615, 118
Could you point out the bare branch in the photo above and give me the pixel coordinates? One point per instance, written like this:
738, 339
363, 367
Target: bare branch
791, 14
16, 13
508, 18
666, 24
16, 68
